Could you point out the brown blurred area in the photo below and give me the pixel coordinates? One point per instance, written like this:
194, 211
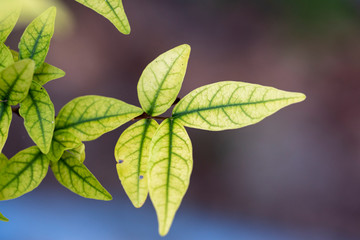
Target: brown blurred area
300, 167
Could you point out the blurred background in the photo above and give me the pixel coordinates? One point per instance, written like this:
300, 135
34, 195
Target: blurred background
295, 175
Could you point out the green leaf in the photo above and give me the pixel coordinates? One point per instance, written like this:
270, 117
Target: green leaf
3, 161
15, 55
35, 41
72, 174
230, 105
6, 58
62, 140
161, 80
9, 14
78, 153
5, 120
3, 218
39, 116
113, 10
89, 117
132, 154
46, 73
23, 173
170, 167
15, 81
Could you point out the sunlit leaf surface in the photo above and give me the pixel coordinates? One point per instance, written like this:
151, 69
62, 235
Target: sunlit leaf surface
23, 173
72, 174
78, 152
15, 81
6, 58
170, 166
5, 120
161, 80
62, 140
113, 10
9, 14
39, 116
230, 105
132, 154
46, 73
88, 117
35, 41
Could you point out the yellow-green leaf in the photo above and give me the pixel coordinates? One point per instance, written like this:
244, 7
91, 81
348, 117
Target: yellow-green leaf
78, 152
9, 14
3, 218
113, 10
72, 174
46, 73
132, 154
35, 41
6, 58
5, 120
15, 81
15, 55
3, 161
161, 80
23, 173
170, 167
230, 105
39, 116
89, 117
62, 140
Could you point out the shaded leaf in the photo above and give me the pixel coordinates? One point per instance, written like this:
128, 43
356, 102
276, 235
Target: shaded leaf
230, 105
23, 173
88, 117
15, 81
35, 41
3, 218
161, 80
78, 152
15, 55
113, 10
9, 14
3, 161
6, 58
170, 166
62, 140
132, 154
39, 116
46, 73
5, 120
72, 174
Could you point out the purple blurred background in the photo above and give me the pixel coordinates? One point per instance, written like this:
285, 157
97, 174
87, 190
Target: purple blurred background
297, 172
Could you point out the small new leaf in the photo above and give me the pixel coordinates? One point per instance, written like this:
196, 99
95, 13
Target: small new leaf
89, 117
23, 173
161, 80
3, 218
230, 105
39, 116
78, 152
170, 167
113, 10
35, 41
6, 58
5, 120
132, 154
62, 140
46, 73
72, 174
9, 14
15, 81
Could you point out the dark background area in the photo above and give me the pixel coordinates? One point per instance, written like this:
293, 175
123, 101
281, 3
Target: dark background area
298, 169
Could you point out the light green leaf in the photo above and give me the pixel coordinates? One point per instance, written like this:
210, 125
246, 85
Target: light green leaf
3, 218
35, 41
15, 55
72, 174
15, 81
46, 73
161, 80
6, 58
3, 161
230, 105
170, 167
62, 140
23, 173
9, 14
113, 10
5, 120
78, 153
39, 116
89, 117
132, 154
